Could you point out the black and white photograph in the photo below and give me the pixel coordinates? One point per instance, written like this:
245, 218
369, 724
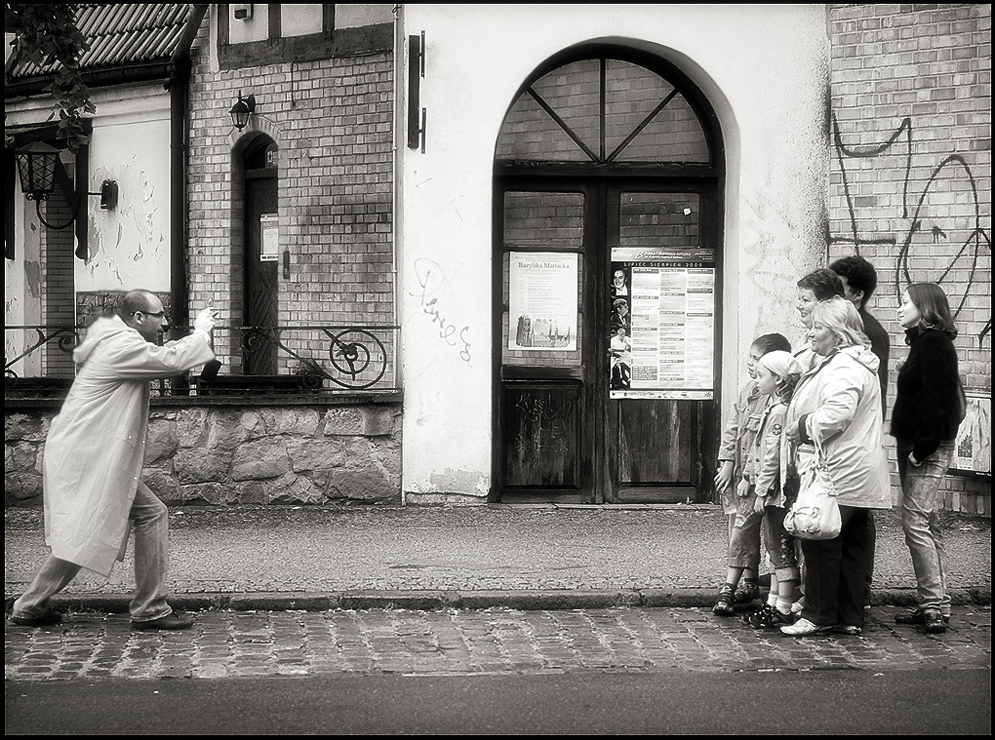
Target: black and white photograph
497, 369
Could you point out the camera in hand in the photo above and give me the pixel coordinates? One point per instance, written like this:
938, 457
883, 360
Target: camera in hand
210, 370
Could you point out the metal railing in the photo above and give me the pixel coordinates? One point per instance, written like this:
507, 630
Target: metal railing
254, 360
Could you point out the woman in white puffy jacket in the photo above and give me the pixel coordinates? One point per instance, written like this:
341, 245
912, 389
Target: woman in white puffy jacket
837, 403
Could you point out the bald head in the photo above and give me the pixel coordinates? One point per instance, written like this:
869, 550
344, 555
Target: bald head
137, 300
142, 310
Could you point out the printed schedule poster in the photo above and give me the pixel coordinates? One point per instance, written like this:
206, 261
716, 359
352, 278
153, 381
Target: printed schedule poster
672, 296
543, 301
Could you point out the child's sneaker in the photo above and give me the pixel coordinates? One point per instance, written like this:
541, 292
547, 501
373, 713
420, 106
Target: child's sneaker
748, 591
724, 602
767, 617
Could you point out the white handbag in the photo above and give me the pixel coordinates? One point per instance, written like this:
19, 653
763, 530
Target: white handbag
815, 514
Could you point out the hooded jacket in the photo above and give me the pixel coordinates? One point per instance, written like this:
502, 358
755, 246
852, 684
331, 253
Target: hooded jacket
738, 437
764, 467
838, 404
95, 448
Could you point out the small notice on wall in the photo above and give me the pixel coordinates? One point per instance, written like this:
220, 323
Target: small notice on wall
269, 238
543, 301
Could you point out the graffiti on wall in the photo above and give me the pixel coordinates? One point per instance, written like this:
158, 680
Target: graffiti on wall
431, 281
543, 426
940, 217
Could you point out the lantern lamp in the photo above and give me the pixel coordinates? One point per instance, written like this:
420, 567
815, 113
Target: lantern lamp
240, 112
37, 165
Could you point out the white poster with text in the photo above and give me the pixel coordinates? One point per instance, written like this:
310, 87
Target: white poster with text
543, 301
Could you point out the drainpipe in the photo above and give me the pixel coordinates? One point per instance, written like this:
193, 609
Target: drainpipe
180, 313
179, 91
397, 175
400, 49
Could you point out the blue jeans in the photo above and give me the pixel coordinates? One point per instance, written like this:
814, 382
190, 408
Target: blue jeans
921, 522
149, 519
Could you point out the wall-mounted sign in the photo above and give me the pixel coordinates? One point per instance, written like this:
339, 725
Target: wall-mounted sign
663, 304
543, 301
269, 238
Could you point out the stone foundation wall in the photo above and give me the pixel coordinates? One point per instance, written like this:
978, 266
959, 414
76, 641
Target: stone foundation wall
240, 454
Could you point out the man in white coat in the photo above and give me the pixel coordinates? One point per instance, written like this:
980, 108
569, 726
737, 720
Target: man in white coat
94, 456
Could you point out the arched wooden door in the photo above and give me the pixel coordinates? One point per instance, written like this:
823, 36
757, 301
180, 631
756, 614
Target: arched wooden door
607, 239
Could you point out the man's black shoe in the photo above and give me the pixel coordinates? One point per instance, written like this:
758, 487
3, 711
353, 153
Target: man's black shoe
935, 624
918, 616
49, 617
172, 621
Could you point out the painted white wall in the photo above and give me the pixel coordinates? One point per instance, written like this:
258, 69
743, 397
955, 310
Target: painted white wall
22, 286
129, 247
355, 15
765, 69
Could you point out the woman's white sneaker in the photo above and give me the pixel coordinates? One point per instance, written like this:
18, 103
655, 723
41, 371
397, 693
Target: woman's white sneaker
803, 627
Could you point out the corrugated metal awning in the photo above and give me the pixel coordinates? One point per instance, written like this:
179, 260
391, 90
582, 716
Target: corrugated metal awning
123, 35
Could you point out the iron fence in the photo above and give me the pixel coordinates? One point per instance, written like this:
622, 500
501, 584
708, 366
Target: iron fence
252, 360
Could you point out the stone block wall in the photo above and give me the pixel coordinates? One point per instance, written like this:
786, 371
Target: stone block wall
910, 179
241, 454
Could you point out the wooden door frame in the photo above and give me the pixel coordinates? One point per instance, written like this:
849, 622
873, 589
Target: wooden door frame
250, 272
708, 424
551, 184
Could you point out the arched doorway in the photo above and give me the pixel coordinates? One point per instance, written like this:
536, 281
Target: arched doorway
261, 298
608, 223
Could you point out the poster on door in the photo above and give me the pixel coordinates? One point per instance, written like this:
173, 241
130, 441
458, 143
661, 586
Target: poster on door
662, 324
269, 238
542, 301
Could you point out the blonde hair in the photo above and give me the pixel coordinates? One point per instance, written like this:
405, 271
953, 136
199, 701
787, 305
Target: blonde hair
840, 316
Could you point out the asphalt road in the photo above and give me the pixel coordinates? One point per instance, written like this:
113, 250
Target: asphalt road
838, 702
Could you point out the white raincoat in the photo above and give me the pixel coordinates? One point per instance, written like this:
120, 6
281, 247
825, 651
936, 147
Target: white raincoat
96, 445
840, 402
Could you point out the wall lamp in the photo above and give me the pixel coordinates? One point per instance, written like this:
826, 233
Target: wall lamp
41, 173
240, 112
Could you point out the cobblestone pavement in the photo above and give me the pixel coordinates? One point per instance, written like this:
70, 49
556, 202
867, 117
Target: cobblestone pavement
228, 644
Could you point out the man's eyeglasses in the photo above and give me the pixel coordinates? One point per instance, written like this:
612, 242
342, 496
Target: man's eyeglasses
156, 314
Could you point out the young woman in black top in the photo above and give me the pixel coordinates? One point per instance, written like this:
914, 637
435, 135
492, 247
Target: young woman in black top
924, 422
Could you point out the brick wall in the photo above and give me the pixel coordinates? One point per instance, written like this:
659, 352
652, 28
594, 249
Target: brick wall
910, 186
59, 282
332, 121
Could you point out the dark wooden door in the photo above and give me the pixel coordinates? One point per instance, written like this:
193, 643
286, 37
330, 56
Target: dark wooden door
607, 326
261, 274
660, 432
543, 275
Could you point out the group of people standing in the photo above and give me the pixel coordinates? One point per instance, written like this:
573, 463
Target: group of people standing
825, 400
824, 404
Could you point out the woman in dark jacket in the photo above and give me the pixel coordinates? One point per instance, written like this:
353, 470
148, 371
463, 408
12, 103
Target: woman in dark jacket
924, 423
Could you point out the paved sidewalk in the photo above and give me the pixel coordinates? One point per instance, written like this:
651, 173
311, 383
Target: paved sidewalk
301, 591
521, 557
239, 644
